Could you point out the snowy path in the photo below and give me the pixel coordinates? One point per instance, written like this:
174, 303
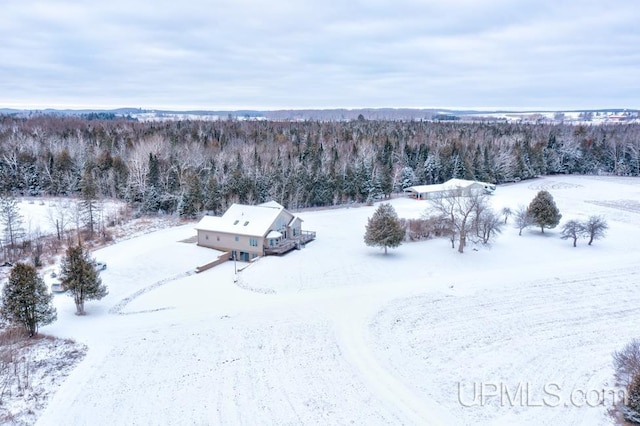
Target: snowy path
356, 347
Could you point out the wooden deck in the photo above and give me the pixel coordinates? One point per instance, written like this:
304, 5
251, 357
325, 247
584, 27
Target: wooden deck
289, 244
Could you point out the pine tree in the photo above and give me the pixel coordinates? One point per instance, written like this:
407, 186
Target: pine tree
543, 211
192, 198
212, 194
25, 299
80, 279
384, 229
631, 409
151, 199
407, 177
88, 193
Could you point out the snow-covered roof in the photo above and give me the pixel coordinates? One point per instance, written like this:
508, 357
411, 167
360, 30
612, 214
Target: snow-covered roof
271, 203
243, 219
274, 234
449, 185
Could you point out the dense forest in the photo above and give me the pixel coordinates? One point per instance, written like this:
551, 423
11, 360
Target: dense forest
187, 167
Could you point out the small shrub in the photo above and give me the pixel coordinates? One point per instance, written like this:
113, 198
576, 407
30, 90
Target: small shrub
626, 362
631, 409
425, 228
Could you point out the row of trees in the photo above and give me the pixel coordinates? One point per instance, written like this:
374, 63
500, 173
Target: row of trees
543, 212
463, 215
459, 214
71, 220
593, 228
189, 166
27, 302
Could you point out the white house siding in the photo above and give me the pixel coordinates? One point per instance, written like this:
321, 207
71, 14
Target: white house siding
227, 242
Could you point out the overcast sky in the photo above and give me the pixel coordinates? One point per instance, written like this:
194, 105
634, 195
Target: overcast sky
233, 54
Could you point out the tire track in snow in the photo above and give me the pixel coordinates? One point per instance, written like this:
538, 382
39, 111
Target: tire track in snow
555, 330
351, 330
119, 307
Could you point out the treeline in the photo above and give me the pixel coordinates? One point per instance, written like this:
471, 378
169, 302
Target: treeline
193, 166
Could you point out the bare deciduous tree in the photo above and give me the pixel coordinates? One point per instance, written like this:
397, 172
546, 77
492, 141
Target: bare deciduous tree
572, 229
460, 209
626, 362
60, 217
522, 219
506, 211
487, 225
12, 222
595, 228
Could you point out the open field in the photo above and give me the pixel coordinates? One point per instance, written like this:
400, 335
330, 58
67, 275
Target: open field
339, 333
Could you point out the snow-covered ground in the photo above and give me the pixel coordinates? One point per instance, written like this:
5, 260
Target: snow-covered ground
39, 214
340, 333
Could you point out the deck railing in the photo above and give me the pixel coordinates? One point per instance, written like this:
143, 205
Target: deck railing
291, 243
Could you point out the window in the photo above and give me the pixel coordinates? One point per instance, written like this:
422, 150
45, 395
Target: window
236, 222
218, 238
237, 238
206, 237
253, 242
246, 223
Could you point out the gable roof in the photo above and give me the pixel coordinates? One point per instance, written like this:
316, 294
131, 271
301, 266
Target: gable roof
242, 219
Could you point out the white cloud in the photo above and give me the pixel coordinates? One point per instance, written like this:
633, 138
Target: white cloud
258, 54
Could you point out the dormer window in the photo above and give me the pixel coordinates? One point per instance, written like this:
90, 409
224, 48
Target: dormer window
236, 222
246, 223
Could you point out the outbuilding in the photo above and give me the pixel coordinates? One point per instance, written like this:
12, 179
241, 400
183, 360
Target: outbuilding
426, 192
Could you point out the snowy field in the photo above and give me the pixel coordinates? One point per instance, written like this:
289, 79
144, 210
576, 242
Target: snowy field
39, 214
339, 333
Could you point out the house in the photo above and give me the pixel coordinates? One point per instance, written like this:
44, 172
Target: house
427, 192
248, 231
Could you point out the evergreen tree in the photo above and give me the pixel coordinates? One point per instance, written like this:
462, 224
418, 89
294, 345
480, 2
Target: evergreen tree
88, 194
384, 229
432, 169
151, 199
407, 177
80, 279
25, 299
192, 199
543, 211
385, 174
211, 197
631, 409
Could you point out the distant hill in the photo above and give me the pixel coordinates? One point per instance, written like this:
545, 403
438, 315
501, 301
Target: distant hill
343, 114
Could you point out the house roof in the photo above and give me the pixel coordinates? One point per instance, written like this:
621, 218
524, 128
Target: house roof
243, 219
272, 203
